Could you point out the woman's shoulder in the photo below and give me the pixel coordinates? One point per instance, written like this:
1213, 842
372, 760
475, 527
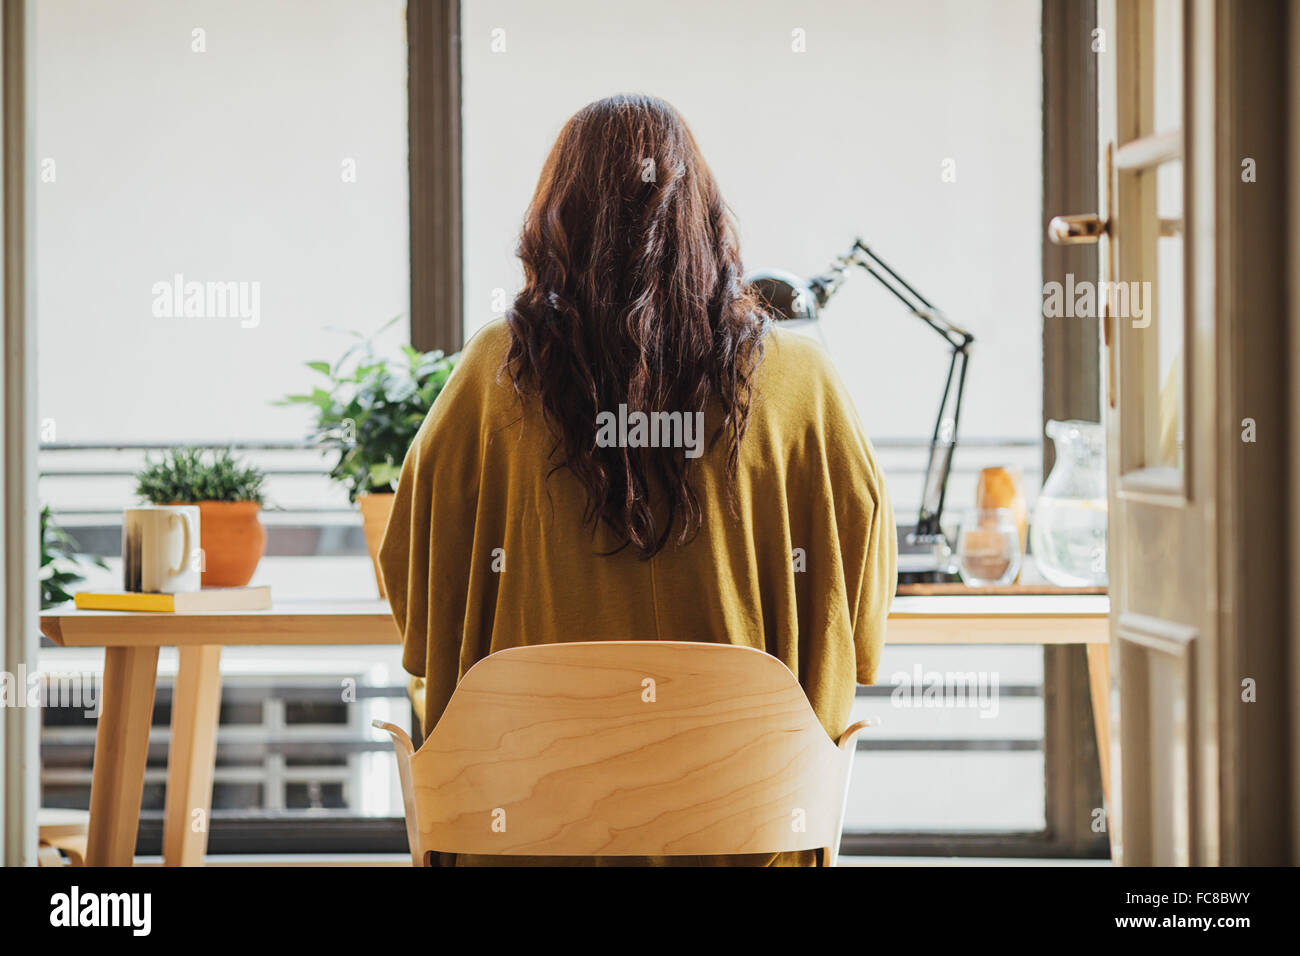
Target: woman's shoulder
477, 391
794, 346
803, 403
480, 367
795, 378
782, 348
796, 367
486, 348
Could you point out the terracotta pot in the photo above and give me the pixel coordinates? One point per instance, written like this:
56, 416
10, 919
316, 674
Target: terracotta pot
233, 539
375, 509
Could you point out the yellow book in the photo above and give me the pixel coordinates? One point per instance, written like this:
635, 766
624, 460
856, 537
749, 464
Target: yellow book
209, 599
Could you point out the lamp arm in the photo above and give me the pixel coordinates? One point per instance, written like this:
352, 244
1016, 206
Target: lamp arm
943, 441
918, 305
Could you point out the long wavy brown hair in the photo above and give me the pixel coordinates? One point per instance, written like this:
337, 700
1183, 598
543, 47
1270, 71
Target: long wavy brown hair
633, 295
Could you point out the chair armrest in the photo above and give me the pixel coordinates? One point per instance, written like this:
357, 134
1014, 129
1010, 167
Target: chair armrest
400, 737
849, 736
404, 749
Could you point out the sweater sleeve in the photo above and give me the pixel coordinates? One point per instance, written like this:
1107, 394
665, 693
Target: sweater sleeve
877, 577
868, 539
426, 554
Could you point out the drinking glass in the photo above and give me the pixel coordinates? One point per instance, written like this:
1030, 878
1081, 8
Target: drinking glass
988, 547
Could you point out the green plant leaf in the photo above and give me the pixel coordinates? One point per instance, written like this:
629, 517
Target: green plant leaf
192, 474
60, 562
371, 409
383, 473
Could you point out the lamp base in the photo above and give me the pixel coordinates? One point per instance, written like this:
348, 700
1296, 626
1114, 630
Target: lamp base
927, 577
925, 560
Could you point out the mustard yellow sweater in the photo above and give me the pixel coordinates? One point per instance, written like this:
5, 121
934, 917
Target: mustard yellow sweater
484, 552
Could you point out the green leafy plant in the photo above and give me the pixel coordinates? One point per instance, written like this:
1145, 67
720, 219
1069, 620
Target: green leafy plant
188, 475
370, 409
60, 562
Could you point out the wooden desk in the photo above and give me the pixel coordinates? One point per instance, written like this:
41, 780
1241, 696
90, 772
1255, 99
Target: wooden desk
131, 641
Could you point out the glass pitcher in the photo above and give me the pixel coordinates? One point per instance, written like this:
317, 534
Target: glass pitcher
1068, 533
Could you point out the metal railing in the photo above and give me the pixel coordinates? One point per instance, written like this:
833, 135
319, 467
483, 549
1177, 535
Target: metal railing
86, 484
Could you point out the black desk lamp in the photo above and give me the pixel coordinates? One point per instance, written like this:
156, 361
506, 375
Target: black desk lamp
791, 299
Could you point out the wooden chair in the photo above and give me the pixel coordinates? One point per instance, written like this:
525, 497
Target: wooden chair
61, 833
626, 748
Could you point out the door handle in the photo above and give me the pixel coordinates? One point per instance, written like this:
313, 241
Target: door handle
1081, 230
1076, 230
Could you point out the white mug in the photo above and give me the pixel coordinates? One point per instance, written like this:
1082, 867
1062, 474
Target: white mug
159, 549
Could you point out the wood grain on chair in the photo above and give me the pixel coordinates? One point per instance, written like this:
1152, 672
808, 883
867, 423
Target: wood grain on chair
626, 748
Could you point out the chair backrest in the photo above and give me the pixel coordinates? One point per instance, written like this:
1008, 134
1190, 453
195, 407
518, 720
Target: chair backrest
625, 748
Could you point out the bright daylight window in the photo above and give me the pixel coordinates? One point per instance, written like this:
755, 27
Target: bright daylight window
276, 158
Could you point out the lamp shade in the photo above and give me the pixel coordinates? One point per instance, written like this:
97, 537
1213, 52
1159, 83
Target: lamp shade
786, 297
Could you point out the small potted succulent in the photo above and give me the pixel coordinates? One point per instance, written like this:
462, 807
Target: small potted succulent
229, 497
367, 413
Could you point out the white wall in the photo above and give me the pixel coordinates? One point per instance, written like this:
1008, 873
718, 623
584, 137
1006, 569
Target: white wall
811, 149
226, 165
221, 165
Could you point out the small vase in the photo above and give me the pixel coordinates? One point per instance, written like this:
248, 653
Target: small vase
233, 540
1068, 533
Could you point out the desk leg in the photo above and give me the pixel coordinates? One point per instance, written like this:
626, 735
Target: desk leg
196, 706
1099, 684
121, 749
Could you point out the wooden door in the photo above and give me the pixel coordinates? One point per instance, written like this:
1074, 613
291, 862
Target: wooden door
1158, 298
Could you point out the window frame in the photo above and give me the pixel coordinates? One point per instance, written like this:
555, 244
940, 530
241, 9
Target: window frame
1071, 389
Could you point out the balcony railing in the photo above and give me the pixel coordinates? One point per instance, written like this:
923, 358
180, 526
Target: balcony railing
87, 484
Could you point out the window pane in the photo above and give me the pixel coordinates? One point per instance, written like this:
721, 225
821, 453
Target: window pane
1165, 440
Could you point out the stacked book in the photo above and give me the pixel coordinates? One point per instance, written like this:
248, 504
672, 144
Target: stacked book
208, 599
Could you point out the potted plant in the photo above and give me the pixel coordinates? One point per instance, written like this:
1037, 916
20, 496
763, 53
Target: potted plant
367, 412
229, 496
60, 563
